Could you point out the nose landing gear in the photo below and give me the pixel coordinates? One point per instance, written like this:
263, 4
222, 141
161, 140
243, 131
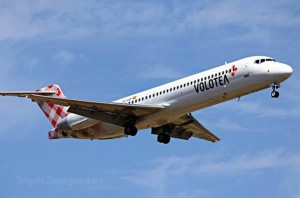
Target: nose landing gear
274, 93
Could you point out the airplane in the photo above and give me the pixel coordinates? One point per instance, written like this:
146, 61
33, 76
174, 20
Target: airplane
165, 109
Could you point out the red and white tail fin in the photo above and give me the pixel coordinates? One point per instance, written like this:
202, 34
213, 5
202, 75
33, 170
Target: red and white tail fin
52, 111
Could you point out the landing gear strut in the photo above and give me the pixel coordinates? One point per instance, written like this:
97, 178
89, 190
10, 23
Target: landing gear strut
163, 138
274, 93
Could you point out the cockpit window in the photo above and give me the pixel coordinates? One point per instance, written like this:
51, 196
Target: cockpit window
258, 61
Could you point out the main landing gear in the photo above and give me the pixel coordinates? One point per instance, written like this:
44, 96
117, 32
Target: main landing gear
129, 128
163, 138
274, 93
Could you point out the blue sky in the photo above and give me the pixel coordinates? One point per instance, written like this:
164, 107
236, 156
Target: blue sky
104, 50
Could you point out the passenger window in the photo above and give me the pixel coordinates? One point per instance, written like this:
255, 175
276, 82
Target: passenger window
201, 79
187, 84
180, 86
195, 81
229, 70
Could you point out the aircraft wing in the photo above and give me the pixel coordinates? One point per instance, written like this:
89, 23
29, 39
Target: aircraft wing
93, 108
80, 105
116, 113
190, 125
111, 112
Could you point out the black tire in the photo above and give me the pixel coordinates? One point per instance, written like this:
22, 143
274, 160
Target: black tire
166, 139
130, 130
274, 94
160, 138
127, 130
163, 138
133, 131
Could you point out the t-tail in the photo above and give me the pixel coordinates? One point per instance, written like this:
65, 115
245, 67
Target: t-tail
53, 112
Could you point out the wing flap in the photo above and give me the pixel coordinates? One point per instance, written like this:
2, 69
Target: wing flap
190, 124
108, 117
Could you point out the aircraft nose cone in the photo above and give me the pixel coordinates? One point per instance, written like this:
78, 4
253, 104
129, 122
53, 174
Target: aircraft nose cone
286, 70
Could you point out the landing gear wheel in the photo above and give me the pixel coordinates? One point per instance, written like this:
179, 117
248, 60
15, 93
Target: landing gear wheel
167, 139
130, 130
274, 94
163, 138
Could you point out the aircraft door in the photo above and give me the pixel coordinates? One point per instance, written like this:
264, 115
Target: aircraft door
246, 71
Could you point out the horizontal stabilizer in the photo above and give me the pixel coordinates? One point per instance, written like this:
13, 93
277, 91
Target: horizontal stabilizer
26, 93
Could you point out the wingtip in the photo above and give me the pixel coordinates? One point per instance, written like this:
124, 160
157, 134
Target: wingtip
216, 140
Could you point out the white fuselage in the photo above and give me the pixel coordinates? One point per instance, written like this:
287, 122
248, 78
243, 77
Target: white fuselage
192, 93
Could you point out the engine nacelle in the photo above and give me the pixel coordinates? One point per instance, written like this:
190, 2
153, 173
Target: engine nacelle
75, 122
